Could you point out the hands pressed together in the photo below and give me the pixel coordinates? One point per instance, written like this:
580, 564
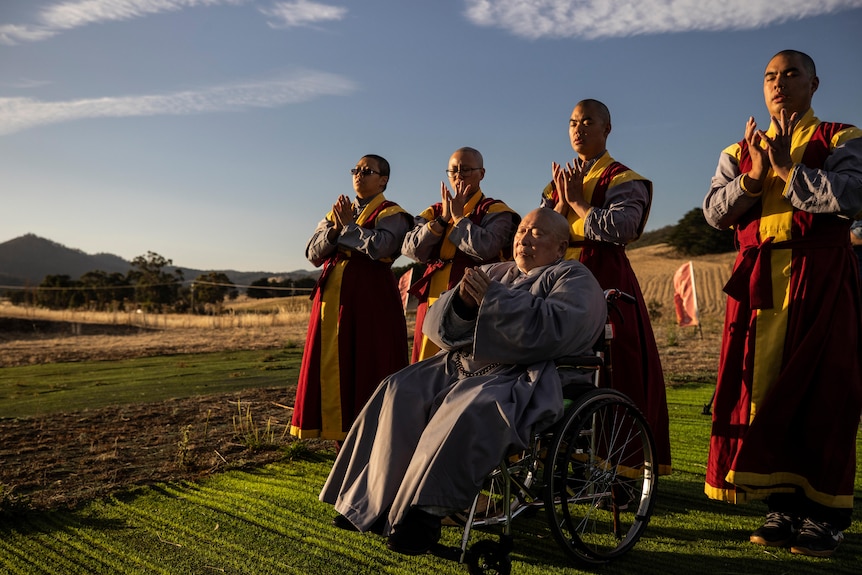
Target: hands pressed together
776, 155
569, 181
342, 210
453, 205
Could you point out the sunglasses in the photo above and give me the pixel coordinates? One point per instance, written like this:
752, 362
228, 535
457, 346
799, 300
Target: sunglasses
364, 171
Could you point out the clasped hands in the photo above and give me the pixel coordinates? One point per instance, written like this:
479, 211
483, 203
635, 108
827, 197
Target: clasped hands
453, 204
342, 210
569, 182
777, 152
473, 287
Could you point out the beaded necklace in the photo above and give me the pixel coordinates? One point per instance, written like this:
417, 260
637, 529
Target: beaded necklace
466, 373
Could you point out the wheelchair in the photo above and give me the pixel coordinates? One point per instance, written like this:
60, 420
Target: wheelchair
593, 473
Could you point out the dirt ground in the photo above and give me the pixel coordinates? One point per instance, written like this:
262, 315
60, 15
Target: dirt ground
62, 460
34, 341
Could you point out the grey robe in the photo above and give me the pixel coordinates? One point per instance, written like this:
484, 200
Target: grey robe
430, 434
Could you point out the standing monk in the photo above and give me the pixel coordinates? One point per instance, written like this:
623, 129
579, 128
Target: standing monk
789, 390
607, 206
462, 230
357, 334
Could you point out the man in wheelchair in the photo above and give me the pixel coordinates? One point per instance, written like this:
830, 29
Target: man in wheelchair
431, 433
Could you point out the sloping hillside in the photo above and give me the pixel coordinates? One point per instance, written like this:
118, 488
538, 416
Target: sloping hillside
29, 258
655, 266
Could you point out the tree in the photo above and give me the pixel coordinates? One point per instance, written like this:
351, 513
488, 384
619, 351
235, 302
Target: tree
155, 288
103, 291
59, 292
303, 286
259, 289
211, 288
274, 287
693, 236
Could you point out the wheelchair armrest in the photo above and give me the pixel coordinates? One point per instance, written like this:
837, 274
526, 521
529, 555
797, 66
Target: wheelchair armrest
582, 361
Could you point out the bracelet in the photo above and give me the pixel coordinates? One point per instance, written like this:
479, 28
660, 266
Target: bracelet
441, 221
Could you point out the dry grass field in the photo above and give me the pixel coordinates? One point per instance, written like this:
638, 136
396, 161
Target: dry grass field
32, 336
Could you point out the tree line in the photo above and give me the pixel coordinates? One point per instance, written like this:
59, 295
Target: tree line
152, 287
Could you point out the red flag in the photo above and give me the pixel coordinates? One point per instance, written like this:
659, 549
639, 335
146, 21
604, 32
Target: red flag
685, 296
404, 285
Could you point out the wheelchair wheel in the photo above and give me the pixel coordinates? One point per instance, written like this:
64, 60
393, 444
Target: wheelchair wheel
488, 558
600, 477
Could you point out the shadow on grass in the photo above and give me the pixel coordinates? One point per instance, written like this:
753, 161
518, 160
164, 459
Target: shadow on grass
688, 533
32, 523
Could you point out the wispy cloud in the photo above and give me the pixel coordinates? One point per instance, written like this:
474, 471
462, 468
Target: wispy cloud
25, 83
17, 114
56, 18
591, 19
301, 13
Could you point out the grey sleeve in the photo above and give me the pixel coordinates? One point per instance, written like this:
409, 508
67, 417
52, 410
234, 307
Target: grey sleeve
419, 242
834, 189
484, 241
319, 247
619, 219
726, 201
383, 241
527, 326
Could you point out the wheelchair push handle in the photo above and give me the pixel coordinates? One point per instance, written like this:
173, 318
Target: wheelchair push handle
614, 294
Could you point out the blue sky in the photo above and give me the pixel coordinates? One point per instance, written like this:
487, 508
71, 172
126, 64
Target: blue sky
218, 132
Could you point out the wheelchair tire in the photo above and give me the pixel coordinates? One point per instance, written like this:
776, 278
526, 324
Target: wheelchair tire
488, 557
600, 477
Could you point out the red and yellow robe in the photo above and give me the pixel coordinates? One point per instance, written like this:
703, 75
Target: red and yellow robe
446, 267
357, 335
637, 368
789, 388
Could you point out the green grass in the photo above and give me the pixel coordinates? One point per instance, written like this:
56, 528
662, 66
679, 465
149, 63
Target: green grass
269, 521
52, 388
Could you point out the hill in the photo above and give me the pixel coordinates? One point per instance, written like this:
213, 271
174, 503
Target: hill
28, 259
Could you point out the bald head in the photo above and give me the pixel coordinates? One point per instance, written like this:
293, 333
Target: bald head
541, 239
589, 127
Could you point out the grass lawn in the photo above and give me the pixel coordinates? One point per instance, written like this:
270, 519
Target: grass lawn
55, 387
268, 521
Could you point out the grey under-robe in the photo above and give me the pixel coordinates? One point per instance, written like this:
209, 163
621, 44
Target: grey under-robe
429, 435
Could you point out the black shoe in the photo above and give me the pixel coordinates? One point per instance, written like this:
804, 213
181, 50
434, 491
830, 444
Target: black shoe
342, 522
379, 524
777, 531
817, 539
416, 535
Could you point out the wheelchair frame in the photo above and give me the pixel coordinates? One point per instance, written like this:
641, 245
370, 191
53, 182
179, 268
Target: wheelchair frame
593, 472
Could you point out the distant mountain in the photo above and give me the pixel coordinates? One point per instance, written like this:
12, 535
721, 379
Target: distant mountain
26, 260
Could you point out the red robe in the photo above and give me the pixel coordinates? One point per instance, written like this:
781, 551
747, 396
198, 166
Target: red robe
636, 363
789, 390
357, 335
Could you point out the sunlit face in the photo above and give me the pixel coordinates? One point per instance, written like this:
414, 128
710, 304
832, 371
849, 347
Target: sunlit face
535, 243
787, 85
465, 168
588, 131
368, 185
